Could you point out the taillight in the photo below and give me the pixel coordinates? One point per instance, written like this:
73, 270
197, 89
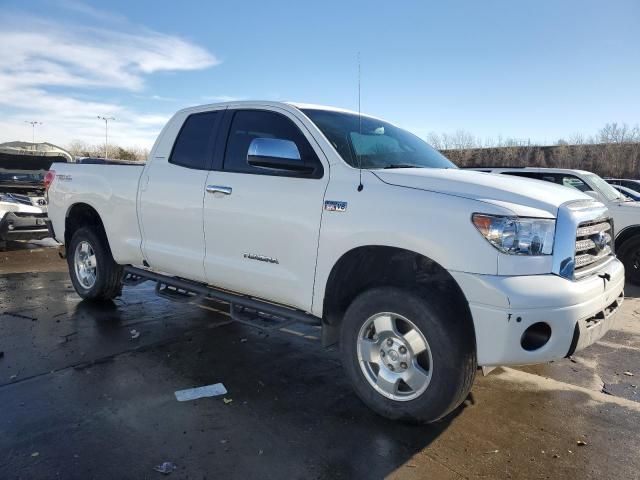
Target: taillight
48, 178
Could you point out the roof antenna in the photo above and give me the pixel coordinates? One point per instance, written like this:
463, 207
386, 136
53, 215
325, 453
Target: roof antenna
360, 186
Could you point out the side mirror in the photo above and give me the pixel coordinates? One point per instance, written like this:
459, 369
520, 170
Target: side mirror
593, 194
276, 154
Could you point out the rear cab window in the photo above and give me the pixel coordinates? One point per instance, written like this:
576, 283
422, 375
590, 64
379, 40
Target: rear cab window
194, 144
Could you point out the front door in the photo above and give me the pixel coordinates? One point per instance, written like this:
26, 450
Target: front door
262, 225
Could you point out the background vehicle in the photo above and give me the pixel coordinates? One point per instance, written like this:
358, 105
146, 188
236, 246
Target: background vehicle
625, 212
420, 270
625, 182
23, 207
627, 192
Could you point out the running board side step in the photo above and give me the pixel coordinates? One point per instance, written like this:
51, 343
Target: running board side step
130, 279
177, 294
261, 320
243, 309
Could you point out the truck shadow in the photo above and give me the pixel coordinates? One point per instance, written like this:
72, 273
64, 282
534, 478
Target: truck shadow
289, 399
290, 411
292, 399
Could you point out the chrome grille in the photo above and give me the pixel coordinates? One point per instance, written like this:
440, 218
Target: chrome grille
586, 230
593, 245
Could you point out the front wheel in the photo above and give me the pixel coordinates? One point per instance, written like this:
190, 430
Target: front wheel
94, 273
407, 358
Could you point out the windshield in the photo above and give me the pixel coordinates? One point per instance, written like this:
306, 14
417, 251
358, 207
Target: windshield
603, 187
374, 143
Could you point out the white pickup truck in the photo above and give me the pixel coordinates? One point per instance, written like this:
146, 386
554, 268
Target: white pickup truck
291, 212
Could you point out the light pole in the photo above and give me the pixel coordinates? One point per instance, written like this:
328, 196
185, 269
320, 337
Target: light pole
106, 134
33, 124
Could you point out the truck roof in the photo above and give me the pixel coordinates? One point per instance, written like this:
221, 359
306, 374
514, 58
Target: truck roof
270, 103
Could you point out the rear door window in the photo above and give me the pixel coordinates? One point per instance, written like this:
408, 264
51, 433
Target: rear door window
194, 145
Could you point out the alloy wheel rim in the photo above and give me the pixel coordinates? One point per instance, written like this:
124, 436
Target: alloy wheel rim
85, 265
394, 356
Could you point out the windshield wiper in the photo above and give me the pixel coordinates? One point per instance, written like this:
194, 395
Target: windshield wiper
400, 165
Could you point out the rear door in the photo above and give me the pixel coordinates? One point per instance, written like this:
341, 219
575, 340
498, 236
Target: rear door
262, 225
171, 195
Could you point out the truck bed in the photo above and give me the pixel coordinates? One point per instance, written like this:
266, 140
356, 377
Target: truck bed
109, 189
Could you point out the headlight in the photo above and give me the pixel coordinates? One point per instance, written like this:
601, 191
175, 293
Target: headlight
515, 235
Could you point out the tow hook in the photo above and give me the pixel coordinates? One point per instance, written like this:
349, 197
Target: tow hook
62, 252
605, 278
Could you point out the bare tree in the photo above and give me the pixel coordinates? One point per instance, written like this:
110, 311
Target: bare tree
613, 151
434, 140
614, 133
79, 148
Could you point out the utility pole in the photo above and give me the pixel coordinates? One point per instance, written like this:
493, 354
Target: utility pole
106, 134
33, 124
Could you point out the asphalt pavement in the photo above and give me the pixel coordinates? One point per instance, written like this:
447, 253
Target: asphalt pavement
87, 391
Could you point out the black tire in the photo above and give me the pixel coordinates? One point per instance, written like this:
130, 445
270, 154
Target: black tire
108, 277
629, 254
451, 342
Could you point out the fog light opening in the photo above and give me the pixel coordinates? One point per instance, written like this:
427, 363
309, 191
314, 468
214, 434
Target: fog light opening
535, 336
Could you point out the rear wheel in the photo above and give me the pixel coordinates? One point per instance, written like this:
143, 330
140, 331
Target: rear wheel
629, 254
94, 273
407, 358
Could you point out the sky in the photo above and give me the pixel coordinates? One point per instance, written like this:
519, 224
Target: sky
539, 70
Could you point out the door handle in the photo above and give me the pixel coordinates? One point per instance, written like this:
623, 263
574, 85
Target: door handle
219, 189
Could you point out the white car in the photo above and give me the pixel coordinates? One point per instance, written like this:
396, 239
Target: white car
625, 182
420, 271
624, 211
627, 192
23, 208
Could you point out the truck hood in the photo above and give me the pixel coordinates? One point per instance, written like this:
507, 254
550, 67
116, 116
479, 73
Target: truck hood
523, 196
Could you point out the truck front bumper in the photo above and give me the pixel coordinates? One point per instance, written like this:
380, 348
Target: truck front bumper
23, 226
521, 320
